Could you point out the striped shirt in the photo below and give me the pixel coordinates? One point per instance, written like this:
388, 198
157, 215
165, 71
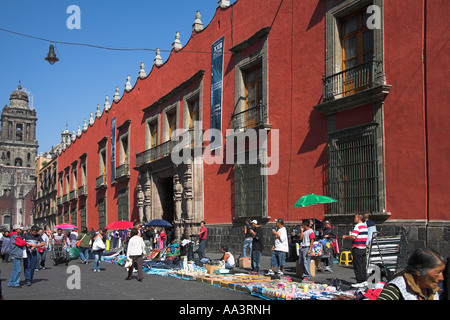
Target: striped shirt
360, 232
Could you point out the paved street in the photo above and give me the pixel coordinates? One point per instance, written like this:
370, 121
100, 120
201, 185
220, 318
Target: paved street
109, 284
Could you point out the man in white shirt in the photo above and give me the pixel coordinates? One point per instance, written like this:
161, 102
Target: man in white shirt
280, 248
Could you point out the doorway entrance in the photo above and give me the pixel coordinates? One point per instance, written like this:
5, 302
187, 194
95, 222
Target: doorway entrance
167, 200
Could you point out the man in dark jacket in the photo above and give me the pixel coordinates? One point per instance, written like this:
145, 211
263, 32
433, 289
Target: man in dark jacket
257, 246
16, 248
35, 243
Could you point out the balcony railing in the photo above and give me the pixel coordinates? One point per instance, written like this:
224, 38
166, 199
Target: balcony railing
65, 198
82, 191
58, 201
350, 81
100, 182
122, 171
250, 118
73, 195
160, 151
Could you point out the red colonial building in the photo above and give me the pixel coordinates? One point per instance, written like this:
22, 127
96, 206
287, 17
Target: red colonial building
342, 98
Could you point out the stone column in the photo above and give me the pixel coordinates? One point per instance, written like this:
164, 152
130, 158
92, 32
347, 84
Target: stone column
147, 196
188, 190
140, 202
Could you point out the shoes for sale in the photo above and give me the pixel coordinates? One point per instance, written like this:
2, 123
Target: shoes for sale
360, 285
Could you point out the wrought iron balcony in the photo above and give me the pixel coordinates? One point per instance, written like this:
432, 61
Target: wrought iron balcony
58, 201
82, 191
65, 198
100, 182
160, 151
250, 118
73, 195
352, 80
122, 172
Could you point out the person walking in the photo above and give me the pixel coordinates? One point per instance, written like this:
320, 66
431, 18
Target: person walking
257, 246
359, 240
202, 236
279, 249
136, 252
98, 247
42, 252
419, 280
34, 243
16, 250
85, 242
248, 241
306, 238
5, 246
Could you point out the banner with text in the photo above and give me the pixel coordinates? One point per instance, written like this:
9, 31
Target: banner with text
216, 90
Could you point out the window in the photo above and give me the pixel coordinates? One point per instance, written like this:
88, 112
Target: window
18, 162
250, 191
253, 87
101, 213
171, 123
73, 215
193, 108
357, 40
353, 170
123, 150
19, 132
153, 128
103, 163
122, 203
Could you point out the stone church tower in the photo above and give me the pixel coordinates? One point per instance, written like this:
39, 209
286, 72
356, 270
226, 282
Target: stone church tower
18, 145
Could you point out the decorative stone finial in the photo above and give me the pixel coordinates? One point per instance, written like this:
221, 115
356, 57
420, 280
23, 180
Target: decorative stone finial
176, 45
91, 119
128, 84
158, 60
85, 127
116, 97
107, 106
73, 136
79, 131
98, 114
198, 25
142, 73
224, 4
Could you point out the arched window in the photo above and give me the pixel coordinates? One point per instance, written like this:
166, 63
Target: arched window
18, 162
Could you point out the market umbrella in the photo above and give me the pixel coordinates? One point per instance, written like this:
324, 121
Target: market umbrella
121, 224
65, 226
159, 223
311, 200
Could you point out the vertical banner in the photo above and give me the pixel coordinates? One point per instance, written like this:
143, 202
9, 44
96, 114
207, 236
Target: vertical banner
216, 90
113, 149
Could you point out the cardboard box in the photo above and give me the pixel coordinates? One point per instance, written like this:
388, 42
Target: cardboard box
210, 268
299, 269
245, 263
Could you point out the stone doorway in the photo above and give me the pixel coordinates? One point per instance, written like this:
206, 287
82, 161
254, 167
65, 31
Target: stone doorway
167, 202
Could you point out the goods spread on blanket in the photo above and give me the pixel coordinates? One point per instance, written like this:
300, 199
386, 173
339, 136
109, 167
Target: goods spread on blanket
261, 286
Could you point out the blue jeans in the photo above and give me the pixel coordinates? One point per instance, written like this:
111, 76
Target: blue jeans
278, 259
97, 259
29, 265
305, 261
14, 280
247, 244
201, 249
84, 254
41, 259
256, 260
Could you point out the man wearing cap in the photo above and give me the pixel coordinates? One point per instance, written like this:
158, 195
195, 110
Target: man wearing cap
279, 249
306, 237
257, 246
16, 251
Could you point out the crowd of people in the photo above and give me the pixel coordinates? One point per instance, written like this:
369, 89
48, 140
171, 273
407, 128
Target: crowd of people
420, 280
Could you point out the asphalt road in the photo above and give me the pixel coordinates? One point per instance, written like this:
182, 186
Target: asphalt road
53, 284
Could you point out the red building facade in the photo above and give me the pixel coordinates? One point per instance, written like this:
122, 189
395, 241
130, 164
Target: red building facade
349, 96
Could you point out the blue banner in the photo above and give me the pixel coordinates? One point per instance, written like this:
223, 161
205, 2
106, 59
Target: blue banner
216, 90
113, 149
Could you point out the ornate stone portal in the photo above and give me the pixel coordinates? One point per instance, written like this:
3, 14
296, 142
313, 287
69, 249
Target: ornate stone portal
152, 194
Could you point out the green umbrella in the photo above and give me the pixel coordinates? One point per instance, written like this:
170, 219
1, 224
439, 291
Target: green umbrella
313, 199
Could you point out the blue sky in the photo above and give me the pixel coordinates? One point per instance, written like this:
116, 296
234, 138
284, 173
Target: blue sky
68, 91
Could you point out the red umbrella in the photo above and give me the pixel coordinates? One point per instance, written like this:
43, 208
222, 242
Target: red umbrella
120, 225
